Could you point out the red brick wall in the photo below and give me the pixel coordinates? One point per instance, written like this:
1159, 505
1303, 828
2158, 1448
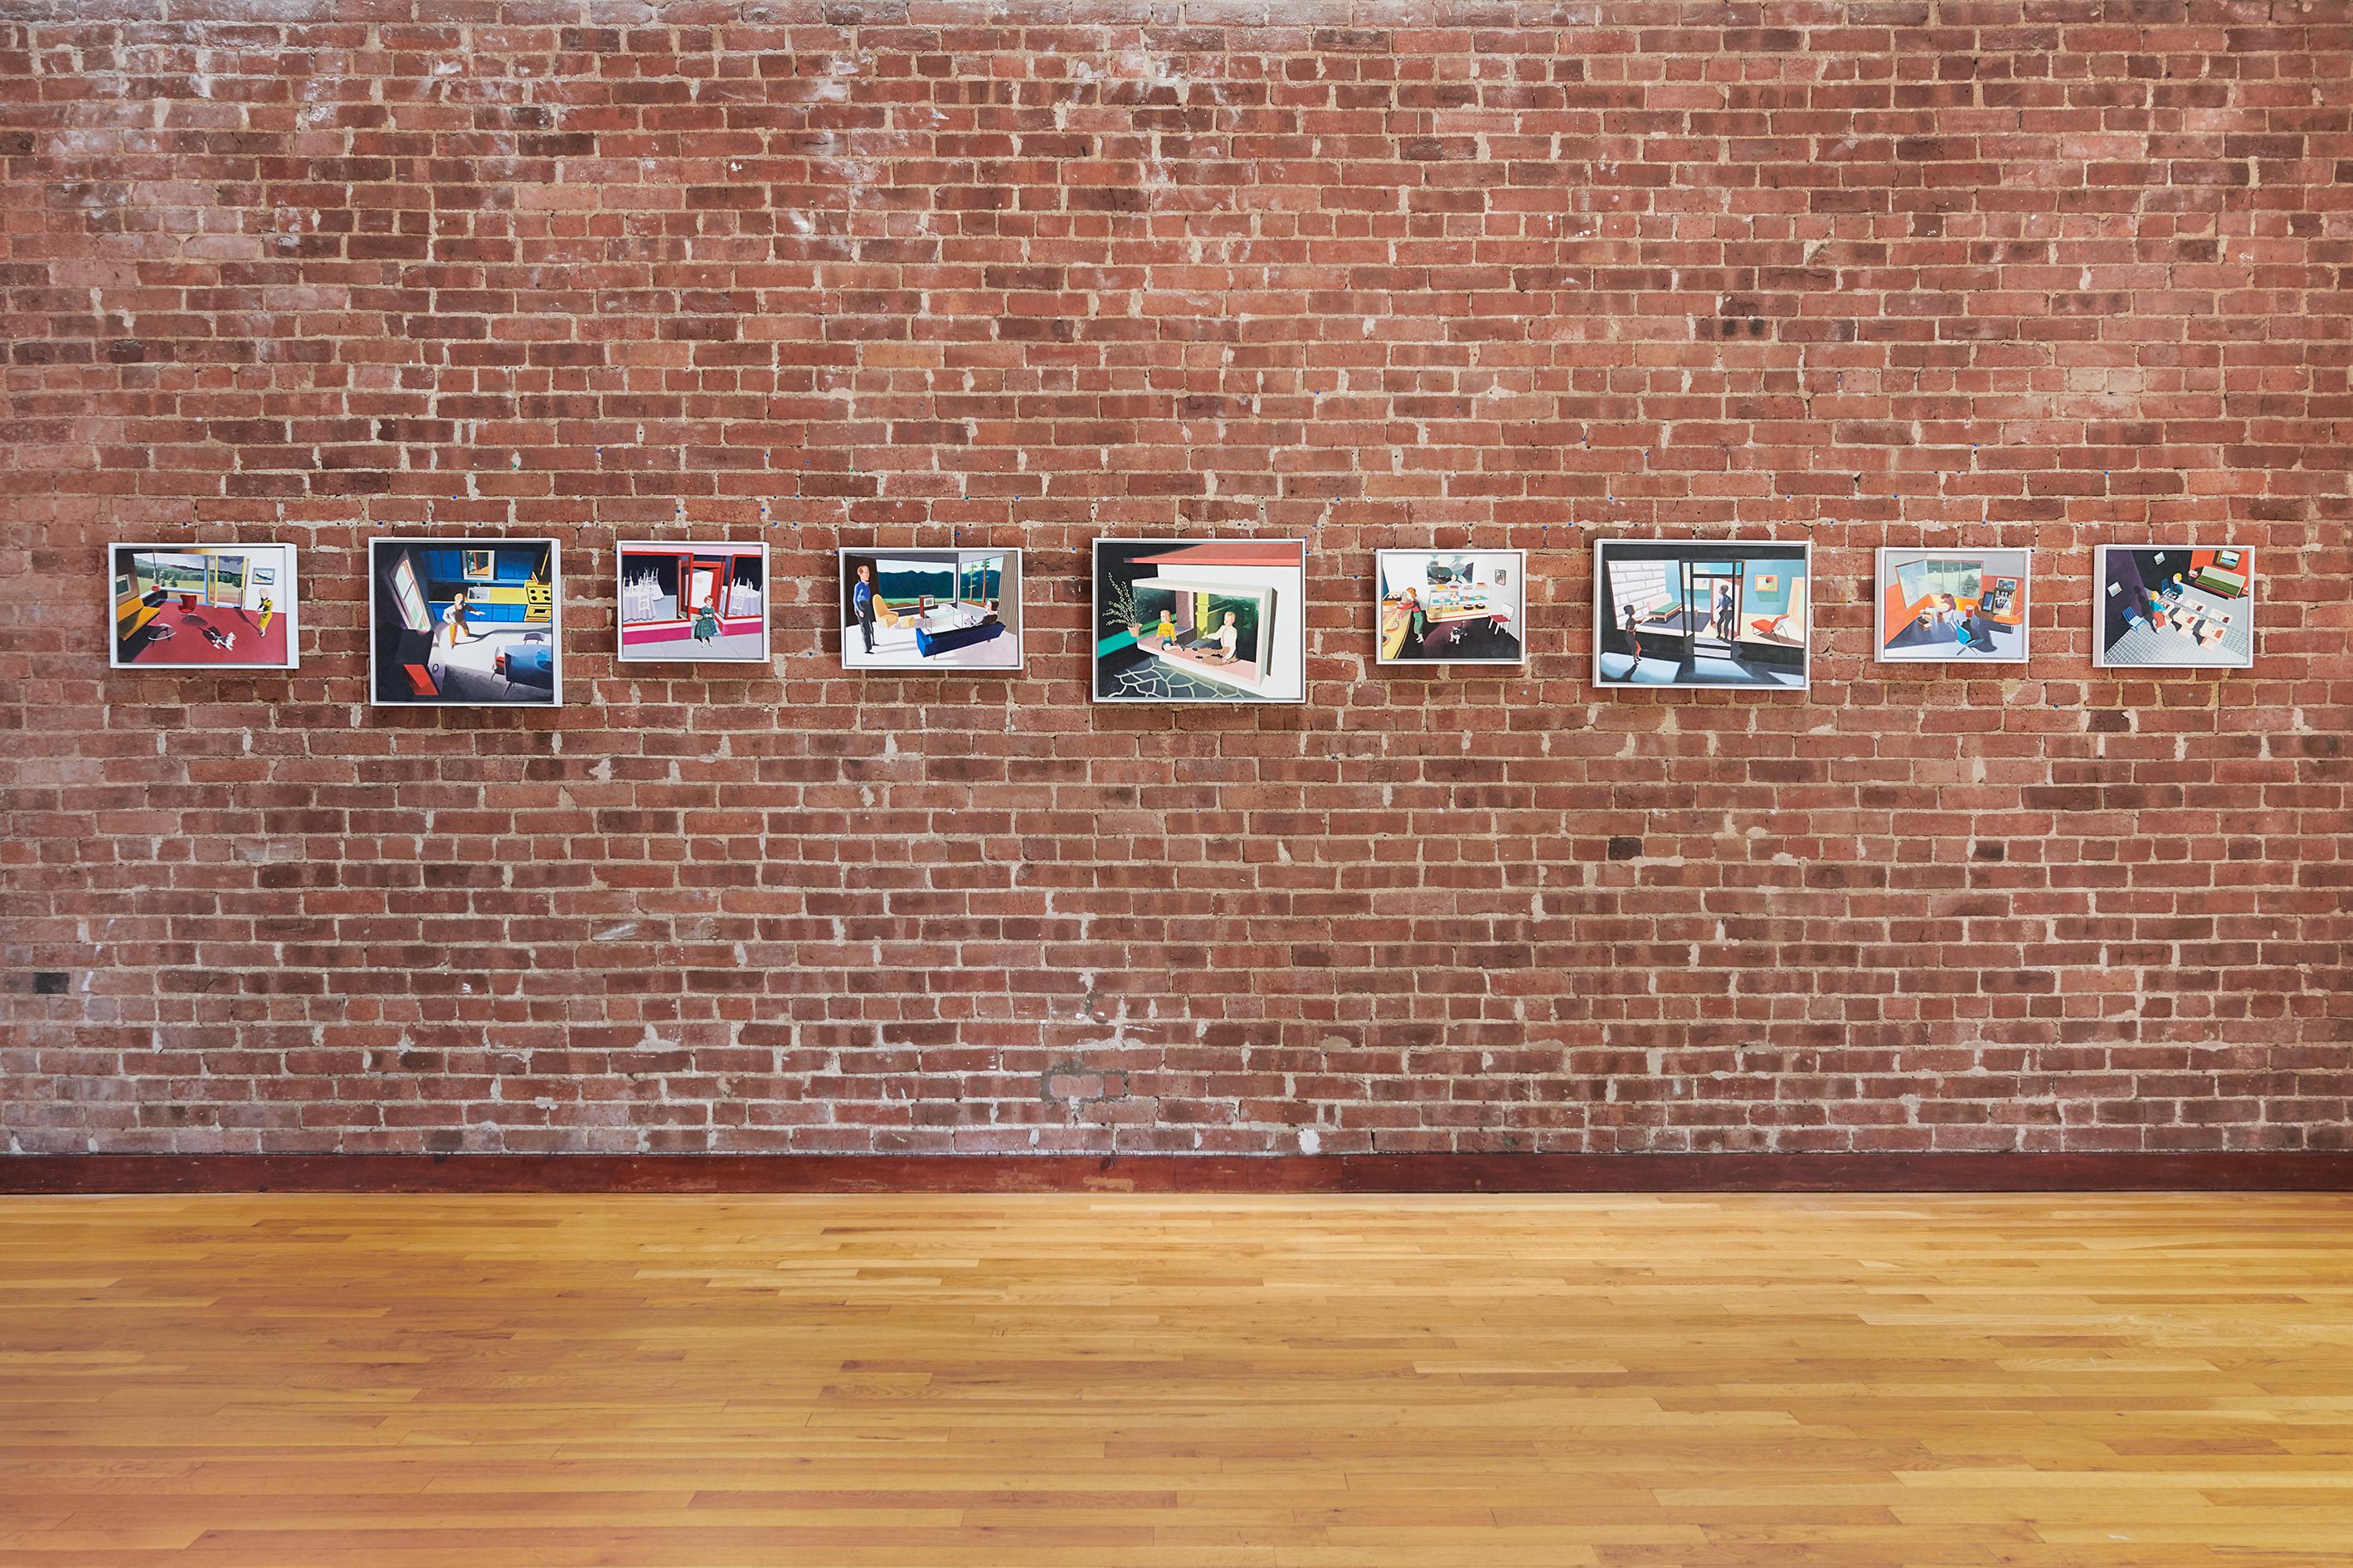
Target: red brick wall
1884, 273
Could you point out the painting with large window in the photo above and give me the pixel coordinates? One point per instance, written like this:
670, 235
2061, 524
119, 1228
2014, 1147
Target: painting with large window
941, 610
1953, 607
197, 606
1671, 613
464, 622
1201, 620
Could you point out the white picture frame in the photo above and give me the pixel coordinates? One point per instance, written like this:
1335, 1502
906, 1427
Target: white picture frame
1493, 599
931, 610
1220, 578
505, 653
225, 606
1943, 624
2206, 625
1672, 648
682, 601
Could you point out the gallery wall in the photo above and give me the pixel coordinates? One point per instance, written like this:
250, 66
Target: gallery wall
1428, 276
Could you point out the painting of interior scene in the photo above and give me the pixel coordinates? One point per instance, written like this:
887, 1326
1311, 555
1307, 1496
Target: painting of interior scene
1698, 613
681, 601
464, 621
1953, 607
931, 609
190, 606
1442, 606
1201, 620
2175, 606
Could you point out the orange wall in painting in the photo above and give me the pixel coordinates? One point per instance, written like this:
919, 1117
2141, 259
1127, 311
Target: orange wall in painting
1895, 613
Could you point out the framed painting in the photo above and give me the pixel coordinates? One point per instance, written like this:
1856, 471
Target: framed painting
466, 623
205, 606
940, 610
1450, 606
1199, 620
1699, 612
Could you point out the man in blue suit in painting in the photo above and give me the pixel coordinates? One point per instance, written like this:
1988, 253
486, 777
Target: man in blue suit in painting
862, 600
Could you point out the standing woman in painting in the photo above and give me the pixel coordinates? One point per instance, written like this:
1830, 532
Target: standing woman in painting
862, 600
1633, 636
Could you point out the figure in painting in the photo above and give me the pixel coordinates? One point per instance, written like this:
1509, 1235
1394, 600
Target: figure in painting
862, 598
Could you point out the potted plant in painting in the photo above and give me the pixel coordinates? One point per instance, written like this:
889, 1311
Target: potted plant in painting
1123, 611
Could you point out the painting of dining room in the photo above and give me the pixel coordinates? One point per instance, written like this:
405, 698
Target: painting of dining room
1673, 612
1953, 605
1452, 607
1210, 620
945, 610
2175, 607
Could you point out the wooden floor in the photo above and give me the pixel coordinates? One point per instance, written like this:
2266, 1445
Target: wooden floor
250, 1381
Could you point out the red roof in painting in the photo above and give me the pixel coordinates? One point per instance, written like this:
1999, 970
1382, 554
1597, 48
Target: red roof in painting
1230, 552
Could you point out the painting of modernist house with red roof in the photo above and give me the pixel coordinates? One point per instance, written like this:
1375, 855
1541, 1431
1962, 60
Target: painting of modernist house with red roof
198, 606
1180, 620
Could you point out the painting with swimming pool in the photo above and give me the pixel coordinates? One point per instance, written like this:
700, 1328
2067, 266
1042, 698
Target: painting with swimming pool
2174, 607
1676, 613
944, 610
1201, 620
1953, 605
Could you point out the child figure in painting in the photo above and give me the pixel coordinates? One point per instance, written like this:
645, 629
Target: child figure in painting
1166, 630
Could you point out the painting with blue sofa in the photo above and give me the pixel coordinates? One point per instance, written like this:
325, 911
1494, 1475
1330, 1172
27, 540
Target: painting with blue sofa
1736, 613
931, 609
464, 621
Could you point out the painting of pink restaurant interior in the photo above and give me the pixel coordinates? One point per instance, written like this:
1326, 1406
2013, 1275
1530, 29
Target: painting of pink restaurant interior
693, 601
1201, 620
931, 609
1443, 606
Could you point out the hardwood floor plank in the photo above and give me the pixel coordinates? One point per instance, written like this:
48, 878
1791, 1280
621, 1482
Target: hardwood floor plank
327, 1381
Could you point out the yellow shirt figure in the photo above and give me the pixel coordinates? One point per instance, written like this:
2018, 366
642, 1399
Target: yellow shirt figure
1167, 628
268, 610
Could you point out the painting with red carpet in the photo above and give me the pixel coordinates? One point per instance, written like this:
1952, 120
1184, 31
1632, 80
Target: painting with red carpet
204, 607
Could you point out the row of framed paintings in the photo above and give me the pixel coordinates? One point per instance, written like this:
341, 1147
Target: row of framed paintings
468, 622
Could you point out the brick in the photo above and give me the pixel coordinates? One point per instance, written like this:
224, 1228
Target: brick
1476, 274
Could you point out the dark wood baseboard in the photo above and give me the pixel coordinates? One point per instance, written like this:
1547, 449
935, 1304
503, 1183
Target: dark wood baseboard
2234, 1171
